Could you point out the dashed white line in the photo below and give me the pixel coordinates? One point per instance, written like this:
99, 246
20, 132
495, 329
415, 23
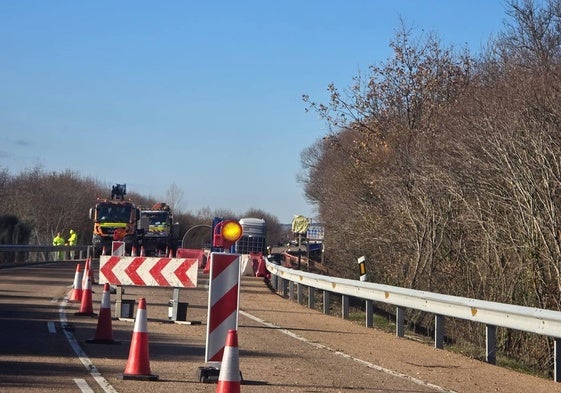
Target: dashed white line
83, 385
51, 327
342, 354
102, 382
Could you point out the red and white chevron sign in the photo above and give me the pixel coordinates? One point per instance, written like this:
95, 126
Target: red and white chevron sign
148, 271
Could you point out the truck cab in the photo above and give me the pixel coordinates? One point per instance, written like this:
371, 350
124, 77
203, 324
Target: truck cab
114, 219
159, 234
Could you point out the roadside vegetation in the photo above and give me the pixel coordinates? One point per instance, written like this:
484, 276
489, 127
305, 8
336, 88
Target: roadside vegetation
443, 168
35, 205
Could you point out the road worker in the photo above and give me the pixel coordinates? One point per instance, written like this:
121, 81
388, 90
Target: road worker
72, 241
58, 240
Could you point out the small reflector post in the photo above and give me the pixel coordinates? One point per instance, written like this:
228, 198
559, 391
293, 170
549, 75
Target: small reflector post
362, 267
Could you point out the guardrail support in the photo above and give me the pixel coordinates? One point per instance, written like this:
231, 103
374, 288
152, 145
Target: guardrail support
439, 331
284, 287
326, 302
311, 297
369, 308
556, 359
399, 321
300, 293
491, 344
344, 306
291, 290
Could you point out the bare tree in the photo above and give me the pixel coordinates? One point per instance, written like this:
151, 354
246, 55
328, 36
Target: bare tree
174, 196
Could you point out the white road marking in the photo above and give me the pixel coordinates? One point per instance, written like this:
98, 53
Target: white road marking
83, 385
102, 382
51, 327
342, 354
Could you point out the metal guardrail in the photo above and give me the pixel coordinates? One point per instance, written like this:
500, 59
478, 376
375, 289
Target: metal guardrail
492, 314
40, 253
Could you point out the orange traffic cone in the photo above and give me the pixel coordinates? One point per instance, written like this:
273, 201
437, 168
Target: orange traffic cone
133, 251
207, 265
76, 294
103, 251
86, 274
86, 306
104, 331
90, 271
138, 364
229, 377
142, 253
170, 255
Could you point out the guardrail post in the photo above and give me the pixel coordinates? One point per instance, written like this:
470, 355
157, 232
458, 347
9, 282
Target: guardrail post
556, 359
290, 290
399, 321
369, 306
284, 287
491, 344
300, 293
326, 302
344, 306
311, 297
439, 331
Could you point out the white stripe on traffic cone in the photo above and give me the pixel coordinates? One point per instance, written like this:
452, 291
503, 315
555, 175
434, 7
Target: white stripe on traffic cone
229, 377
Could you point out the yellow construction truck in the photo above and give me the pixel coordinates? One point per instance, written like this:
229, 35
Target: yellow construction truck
159, 234
115, 219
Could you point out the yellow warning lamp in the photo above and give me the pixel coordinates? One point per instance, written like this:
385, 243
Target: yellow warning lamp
227, 233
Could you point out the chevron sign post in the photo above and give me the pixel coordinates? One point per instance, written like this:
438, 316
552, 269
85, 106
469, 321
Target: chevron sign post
223, 304
148, 271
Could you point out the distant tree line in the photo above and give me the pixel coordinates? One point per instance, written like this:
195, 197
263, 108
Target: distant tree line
444, 169
35, 205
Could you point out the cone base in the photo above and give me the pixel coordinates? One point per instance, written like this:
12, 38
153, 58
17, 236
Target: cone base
208, 374
102, 341
140, 377
85, 314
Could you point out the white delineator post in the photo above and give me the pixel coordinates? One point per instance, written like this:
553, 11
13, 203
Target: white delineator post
362, 267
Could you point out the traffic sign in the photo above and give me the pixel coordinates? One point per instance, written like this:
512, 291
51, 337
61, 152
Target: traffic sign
148, 271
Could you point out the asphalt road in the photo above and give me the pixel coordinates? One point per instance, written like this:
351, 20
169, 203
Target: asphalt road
283, 347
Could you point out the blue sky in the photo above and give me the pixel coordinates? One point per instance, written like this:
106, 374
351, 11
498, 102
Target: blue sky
205, 95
